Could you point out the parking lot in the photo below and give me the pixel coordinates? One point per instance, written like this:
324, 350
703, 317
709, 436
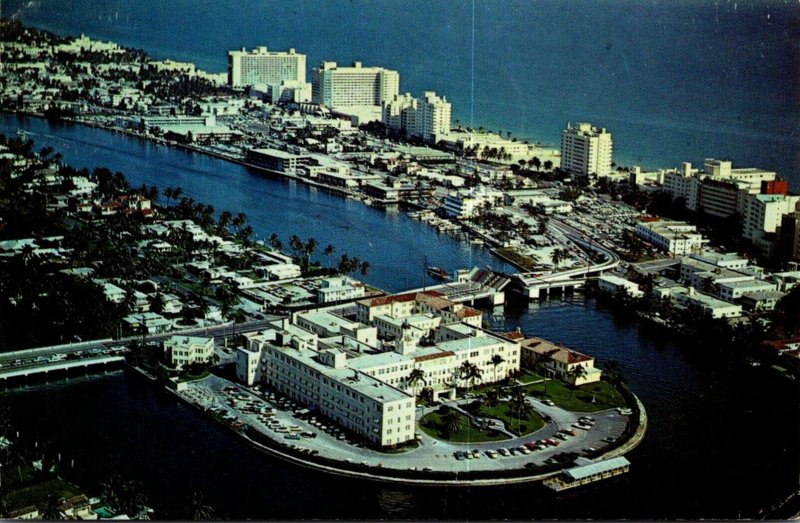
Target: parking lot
291, 425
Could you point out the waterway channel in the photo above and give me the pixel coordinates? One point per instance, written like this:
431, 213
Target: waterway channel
723, 439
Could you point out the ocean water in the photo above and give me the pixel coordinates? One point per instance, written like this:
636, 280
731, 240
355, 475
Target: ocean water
673, 80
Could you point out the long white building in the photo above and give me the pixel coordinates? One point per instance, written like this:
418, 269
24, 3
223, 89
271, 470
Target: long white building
586, 150
358, 373
342, 87
262, 66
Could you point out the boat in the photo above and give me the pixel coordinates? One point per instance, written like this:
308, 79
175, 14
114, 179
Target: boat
439, 274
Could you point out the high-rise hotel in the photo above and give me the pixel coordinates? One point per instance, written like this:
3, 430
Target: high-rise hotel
355, 86
586, 150
282, 74
427, 117
261, 66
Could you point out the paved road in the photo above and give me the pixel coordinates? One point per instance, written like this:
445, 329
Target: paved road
217, 331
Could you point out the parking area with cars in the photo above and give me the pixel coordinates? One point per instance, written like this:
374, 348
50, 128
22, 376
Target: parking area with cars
289, 424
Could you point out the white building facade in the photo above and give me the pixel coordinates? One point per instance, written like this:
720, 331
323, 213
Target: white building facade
586, 150
335, 86
261, 66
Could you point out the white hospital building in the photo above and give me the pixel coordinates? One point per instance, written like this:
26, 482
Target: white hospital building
356, 373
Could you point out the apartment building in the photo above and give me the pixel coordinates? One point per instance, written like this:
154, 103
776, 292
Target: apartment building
262, 66
676, 238
341, 87
586, 150
467, 203
358, 402
427, 117
361, 380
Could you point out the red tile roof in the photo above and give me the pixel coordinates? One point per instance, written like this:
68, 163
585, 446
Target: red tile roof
399, 298
513, 335
435, 355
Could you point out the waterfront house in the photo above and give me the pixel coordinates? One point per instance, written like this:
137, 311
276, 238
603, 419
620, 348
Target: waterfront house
181, 351
559, 361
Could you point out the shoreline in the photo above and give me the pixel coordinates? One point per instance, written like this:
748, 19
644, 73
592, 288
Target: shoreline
404, 477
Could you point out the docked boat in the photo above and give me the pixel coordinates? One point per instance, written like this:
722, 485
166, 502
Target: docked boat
439, 274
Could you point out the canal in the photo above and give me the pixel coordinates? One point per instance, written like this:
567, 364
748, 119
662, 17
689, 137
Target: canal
723, 438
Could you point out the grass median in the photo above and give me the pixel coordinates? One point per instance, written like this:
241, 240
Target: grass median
435, 424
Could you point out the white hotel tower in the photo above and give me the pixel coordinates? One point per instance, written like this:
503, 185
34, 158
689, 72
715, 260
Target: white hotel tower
427, 117
586, 150
261, 66
355, 86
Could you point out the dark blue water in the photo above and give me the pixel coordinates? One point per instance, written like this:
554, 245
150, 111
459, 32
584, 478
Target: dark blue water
723, 440
722, 443
673, 80
393, 244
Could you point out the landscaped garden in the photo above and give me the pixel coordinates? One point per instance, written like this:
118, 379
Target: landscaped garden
591, 397
520, 422
448, 424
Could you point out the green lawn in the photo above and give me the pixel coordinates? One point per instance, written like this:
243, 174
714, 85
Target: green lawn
432, 425
529, 377
37, 494
591, 397
504, 413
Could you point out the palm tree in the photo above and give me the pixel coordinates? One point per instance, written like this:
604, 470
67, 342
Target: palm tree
452, 421
414, 377
274, 240
495, 361
558, 256
5, 506
492, 397
295, 244
239, 220
328, 252
575, 373
364, 268
52, 508
613, 371
469, 372
519, 404
198, 509
541, 362
225, 218
426, 395
132, 500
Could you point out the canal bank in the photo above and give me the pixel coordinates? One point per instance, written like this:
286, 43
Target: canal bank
703, 414
430, 463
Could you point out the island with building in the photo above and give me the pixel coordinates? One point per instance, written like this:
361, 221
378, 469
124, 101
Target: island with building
306, 361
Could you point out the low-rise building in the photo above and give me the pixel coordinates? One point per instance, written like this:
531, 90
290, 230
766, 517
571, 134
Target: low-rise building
761, 301
560, 361
716, 308
186, 350
339, 288
614, 284
675, 238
